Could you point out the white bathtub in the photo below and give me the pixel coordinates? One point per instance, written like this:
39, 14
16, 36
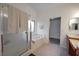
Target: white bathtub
37, 41
36, 37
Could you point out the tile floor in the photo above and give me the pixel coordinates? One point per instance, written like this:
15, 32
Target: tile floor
51, 49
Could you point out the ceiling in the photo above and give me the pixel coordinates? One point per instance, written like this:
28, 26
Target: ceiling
42, 6
38, 7
46, 8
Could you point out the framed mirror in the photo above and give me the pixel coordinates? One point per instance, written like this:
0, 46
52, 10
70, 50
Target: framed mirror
74, 24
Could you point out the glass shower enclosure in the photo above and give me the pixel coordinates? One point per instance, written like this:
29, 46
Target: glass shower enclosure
13, 43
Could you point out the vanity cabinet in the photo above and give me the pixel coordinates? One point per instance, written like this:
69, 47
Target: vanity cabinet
73, 45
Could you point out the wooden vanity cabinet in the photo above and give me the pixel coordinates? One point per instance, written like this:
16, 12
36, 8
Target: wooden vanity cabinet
73, 48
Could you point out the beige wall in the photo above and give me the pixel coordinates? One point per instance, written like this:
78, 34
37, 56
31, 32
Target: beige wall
26, 8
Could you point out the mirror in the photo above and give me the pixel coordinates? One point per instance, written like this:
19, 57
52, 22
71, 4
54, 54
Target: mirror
74, 24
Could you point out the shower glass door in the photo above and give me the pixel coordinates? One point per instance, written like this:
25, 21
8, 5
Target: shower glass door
13, 43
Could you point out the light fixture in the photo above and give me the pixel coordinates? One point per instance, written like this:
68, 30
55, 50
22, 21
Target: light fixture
72, 21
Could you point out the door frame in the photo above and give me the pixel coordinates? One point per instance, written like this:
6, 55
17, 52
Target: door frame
51, 19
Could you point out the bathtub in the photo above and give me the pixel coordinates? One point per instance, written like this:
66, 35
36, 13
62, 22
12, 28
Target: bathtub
36, 37
37, 41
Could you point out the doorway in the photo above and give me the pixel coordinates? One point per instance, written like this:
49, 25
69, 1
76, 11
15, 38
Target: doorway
54, 31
